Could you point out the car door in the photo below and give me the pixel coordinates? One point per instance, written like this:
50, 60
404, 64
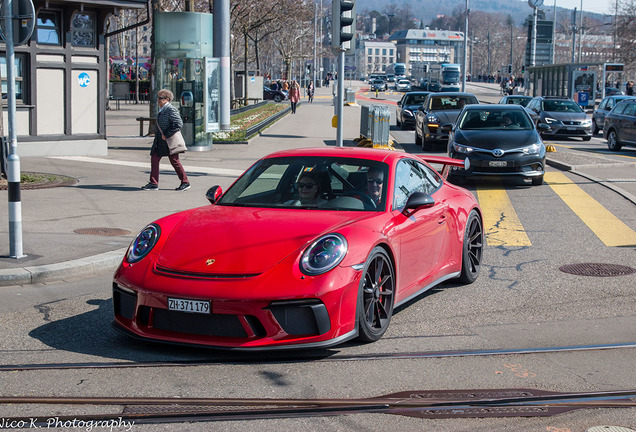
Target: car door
422, 233
399, 108
629, 124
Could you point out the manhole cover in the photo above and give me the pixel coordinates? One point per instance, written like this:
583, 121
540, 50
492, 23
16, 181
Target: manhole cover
102, 231
597, 269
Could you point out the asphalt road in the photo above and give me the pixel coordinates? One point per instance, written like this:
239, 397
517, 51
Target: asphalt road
581, 331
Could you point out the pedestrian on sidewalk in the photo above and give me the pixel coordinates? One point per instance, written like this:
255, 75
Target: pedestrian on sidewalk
294, 95
629, 90
169, 122
310, 91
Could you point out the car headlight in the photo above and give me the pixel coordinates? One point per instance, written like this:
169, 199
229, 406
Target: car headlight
462, 148
432, 118
550, 120
532, 150
143, 244
587, 122
408, 113
323, 254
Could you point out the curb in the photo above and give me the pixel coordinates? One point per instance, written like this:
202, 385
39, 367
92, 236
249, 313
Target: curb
65, 270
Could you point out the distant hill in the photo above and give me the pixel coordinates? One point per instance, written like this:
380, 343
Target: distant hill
428, 10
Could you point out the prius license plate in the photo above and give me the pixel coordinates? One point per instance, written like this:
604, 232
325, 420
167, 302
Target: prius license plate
497, 163
184, 305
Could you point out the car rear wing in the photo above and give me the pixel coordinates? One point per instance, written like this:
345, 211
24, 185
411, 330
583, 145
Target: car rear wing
445, 162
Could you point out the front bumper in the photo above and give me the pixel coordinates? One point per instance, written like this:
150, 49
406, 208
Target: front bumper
274, 311
512, 164
566, 130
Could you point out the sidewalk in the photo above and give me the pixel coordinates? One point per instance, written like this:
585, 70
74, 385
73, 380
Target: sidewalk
85, 228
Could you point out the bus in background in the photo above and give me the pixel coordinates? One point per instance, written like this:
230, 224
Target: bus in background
396, 69
437, 76
451, 77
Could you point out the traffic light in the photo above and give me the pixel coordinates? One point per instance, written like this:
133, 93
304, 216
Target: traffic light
509, 69
426, 68
343, 23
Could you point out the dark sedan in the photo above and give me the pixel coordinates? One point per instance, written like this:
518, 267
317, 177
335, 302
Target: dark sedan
564, 117
606, 105
516, 100
619, 128
439, 109
407, 107
275, 95
498, 140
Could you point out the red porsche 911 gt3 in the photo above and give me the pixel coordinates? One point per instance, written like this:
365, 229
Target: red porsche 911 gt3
308, 248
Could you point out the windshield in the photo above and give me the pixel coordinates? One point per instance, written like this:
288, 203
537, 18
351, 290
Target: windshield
449, 103
450, 77
415, 99
311, 183
495, 120
561, 106
518, 100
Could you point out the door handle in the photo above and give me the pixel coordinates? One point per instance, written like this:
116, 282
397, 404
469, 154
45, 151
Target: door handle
441, 220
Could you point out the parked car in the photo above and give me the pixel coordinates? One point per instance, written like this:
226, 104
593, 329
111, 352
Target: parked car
516, 99
613, 91
407, 107
619, 128
498, 140
275, 95
439, 109
403, 85
259, 269
378, 84
606, 105
564, 116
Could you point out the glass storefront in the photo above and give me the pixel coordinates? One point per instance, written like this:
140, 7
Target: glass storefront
183, 41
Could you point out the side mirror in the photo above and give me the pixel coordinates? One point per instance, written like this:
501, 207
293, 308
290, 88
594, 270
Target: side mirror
542, 127
418, 200
213, 194
446, 127
421, 109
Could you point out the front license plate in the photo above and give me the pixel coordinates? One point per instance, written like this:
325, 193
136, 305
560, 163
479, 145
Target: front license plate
497, 163
571, 128
184, 305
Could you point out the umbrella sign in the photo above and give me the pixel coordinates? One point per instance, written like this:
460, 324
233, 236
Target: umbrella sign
83, 79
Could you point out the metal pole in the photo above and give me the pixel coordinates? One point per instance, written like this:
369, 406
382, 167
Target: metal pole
315, 40
221, 49
511, 42
489, 54
533, 58
573, 34
554, 34
340, 97
580, 32
13, 165
465, 49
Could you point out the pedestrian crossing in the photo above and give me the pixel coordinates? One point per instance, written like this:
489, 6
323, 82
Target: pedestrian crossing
503, 227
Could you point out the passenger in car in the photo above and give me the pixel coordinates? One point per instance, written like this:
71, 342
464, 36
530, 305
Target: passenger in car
309, 191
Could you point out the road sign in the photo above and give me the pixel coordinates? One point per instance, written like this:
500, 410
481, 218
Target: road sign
23, 21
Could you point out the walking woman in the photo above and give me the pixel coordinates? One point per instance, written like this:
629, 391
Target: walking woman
310, 91
294, 95
168, 123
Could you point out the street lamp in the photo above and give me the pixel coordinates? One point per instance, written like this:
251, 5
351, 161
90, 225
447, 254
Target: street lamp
465, 50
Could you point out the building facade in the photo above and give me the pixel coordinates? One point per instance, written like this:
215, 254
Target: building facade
61, 76
373, 57
423, 45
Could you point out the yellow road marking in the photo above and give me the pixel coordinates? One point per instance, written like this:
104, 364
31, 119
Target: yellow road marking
501, 223
609, 229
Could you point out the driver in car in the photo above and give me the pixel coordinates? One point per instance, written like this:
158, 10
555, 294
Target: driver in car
375, 180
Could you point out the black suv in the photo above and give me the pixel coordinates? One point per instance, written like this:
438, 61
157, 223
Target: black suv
619, 128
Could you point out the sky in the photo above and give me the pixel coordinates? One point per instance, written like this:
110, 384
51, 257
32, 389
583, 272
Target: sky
599, 6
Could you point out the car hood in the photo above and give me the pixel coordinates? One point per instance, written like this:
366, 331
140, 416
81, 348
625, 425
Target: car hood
243, 240
565, 116
446, 116
502, 139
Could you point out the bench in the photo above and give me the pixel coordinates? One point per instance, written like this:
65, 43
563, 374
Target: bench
141, 121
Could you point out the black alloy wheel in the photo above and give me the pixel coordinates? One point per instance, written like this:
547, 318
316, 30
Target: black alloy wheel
376, 296
278, 98
472, 249
612, 141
